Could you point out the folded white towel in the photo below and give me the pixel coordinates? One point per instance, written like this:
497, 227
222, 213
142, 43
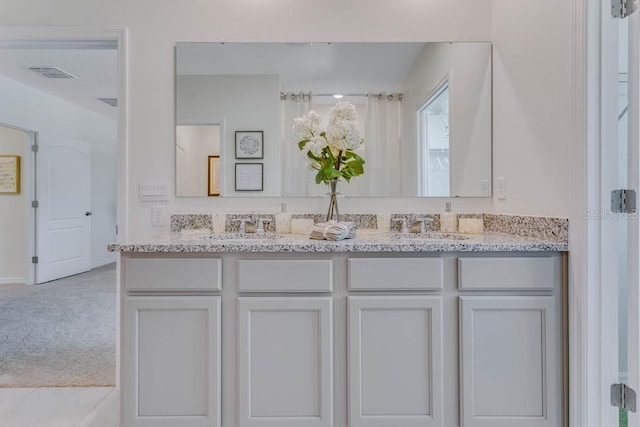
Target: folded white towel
333, 230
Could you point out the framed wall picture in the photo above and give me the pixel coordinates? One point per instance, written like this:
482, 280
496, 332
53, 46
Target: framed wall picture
213, 174
249, 176
249, 144
9, 174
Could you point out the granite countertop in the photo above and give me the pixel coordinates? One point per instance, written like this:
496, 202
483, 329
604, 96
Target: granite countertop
364, 242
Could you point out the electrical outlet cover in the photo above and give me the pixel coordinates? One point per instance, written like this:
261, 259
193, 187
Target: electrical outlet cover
158, 214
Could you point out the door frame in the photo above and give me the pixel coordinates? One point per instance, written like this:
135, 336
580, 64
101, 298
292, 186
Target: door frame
120, 36
122, 145
583, 300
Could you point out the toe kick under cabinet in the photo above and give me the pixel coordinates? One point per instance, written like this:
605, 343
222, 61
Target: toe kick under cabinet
343, 339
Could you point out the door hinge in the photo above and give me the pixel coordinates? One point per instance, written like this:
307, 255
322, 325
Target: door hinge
623, 8
623, 396
34, 148
34, 260
35, 204
623, 201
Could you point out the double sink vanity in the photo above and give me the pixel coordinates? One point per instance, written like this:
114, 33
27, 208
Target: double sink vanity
389, 329
386, 329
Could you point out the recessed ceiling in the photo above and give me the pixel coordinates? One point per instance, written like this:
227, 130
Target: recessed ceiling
93, 63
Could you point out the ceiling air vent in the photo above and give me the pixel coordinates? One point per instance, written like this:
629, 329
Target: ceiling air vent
52, 72
111, 101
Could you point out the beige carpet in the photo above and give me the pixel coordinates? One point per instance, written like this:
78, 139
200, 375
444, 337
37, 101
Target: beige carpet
61, 333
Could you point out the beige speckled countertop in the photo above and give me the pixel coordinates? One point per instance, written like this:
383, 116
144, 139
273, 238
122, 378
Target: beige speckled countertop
364, 242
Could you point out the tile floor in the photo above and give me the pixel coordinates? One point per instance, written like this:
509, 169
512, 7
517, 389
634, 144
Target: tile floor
59, 407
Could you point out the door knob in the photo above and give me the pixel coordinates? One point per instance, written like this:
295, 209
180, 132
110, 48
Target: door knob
88, 213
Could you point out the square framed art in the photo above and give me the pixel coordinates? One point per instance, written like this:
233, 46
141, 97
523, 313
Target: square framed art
249, 177
249, 144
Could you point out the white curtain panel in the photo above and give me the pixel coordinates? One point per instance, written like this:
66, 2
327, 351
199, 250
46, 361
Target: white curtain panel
382, 145
296, 174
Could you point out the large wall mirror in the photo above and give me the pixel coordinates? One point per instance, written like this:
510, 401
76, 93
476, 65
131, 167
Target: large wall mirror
424, 113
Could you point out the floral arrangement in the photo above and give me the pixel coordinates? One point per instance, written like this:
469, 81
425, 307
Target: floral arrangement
331, 152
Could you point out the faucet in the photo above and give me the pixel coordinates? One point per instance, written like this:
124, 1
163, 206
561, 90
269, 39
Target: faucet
260, 227
418, 224
247, 225
404, 228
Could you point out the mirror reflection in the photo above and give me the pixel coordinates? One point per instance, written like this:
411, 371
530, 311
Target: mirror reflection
424, 111
195, 143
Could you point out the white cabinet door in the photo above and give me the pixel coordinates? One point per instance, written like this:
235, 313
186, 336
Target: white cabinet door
285, 374
509, 362
395, 361
172, 361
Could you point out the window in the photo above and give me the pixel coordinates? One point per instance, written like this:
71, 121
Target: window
433, 143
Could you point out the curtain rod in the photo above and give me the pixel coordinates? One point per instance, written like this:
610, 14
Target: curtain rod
380, 96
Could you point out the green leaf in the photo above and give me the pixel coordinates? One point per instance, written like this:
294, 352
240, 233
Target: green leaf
355, 157
327, 173
313, 157
302, 143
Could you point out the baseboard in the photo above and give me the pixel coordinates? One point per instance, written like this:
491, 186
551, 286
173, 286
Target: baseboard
13, 280
103, 261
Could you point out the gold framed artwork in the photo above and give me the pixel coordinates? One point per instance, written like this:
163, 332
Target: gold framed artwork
9, 174
213, 183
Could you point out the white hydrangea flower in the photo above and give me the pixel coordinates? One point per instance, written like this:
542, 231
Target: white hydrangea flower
341, 135
307, 126
344, 135
344, 111
316, 144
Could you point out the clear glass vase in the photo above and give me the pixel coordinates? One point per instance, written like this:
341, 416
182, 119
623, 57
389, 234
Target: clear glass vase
333, 213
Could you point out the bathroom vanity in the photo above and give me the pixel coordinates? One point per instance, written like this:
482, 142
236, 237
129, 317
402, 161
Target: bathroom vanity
374, 331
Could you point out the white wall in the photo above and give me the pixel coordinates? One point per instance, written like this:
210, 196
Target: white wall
104, 183
244, 103
26, 108
532, 107
13, 215
156, 25
194, 145
468, 67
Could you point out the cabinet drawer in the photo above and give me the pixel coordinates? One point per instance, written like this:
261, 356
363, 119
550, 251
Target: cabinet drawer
173, 274
508, 273
288, 275
395, 273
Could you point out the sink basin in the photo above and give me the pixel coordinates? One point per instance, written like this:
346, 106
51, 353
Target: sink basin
432, 235
243, 236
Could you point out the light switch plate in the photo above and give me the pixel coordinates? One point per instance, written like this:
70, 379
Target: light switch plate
151, 192
501, 184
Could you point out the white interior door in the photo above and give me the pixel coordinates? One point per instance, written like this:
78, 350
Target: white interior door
620, 234
63, 224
